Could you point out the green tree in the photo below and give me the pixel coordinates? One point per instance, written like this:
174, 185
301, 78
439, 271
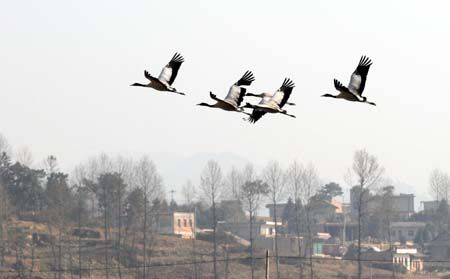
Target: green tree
289, 215
329, 191
109, 190
25, 185
58, 195
441, 217
134, 205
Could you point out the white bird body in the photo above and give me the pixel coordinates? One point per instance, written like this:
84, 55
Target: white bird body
235, 95
354, 84
269, 104
266, 96
166, 77
273, 104
353, 92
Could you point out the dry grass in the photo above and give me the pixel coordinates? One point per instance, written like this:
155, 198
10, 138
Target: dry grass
169, 257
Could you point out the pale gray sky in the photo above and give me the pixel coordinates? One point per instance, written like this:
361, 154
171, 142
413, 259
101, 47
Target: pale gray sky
66, 66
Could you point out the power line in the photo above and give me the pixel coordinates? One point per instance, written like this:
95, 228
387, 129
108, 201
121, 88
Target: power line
206, 262
134, 267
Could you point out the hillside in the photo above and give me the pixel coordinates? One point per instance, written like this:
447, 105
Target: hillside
35, 246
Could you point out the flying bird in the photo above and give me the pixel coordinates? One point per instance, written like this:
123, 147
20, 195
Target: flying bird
235, 95
267, 96
166, 77
357, 83
272, 104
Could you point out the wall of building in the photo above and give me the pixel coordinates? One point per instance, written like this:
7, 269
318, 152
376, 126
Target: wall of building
184, 224
178, 223
405, 230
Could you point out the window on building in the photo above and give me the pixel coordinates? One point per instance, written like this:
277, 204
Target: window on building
190, 223
410, 233
179, 222
270, 231
393, 233
400, 233
185, 222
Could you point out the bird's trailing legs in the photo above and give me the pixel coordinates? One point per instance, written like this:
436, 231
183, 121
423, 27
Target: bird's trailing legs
181, 93
285, 113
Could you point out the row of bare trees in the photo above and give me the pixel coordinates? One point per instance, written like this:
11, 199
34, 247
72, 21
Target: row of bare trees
274, 185
127, 197
439, 185
122, 187
250, 188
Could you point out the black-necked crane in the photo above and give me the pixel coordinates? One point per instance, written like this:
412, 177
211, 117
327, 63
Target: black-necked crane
267, 96
166, 77
235, 95
356, 85
273, 104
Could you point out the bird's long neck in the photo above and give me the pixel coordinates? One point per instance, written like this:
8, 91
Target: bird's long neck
329, 95
139, 84
253, 95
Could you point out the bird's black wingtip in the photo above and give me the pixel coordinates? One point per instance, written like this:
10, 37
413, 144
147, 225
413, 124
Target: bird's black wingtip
365, 61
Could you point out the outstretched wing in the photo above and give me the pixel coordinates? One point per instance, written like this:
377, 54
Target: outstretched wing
170, 71
236, 93
359, 76
149, 76
282, 95
256, 115
246, 79
339, 87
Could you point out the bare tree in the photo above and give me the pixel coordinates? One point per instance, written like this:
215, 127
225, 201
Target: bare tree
4, 146
4, 212
148, 179
190, 196
295, 184
211, 187
234, 181
249, 173
78, 179
310, 186
123, 166
366, 172
273, 175
387, 211
439, 185
252, 195
189, 193
24, 156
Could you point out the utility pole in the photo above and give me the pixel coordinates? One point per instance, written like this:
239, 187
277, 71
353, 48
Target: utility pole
344, 212
267, 264
172, 201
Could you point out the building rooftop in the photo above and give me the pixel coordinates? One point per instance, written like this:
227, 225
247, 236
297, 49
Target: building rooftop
408, 224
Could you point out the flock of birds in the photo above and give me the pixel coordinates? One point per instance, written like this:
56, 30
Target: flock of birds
270, 102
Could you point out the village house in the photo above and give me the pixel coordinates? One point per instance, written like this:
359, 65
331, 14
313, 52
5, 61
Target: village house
403, 204
439, 247
178, 223
405, 231
408, 258
430, 206
279, 209
321, 210
261, 228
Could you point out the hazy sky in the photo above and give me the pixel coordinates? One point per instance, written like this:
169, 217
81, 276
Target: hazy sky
66, 67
